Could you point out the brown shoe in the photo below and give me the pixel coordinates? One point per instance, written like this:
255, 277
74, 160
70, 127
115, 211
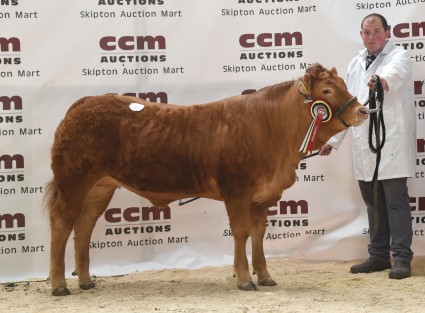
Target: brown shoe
370, 266
400, 270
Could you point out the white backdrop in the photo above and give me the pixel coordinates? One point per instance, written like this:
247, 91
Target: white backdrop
55, 52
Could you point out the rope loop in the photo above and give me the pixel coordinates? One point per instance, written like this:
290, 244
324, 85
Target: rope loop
376, 125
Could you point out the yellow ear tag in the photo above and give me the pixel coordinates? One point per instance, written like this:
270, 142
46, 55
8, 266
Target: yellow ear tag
301, 87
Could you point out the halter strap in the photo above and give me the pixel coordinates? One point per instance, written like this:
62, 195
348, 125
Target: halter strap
342, 109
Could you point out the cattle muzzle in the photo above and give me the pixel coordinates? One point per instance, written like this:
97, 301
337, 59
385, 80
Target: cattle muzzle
338, 113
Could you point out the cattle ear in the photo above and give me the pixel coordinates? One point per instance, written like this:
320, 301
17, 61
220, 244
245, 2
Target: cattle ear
333, 71
303, 87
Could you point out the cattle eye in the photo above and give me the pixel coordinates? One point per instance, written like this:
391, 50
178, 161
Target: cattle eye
326, 91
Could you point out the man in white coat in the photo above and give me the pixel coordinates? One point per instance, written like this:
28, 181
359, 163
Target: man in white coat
394, 228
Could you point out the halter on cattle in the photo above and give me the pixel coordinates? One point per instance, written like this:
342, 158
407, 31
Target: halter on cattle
342, 109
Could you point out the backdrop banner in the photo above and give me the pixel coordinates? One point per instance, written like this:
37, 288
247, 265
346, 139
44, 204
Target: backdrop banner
183, 52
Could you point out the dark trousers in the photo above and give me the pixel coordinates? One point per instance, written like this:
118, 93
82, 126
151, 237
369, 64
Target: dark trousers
394, 219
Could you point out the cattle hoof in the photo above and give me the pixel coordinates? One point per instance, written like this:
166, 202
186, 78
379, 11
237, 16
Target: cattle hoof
74, 273
63, 291
87, 286
267, 282
248, 286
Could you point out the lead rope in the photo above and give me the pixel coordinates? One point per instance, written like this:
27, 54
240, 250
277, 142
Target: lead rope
376, 124
183, 202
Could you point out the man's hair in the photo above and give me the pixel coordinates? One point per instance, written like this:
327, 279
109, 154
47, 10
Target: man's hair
383, 20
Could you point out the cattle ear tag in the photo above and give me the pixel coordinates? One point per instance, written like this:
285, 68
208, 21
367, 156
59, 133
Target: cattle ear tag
136, 106
301, 86
303, 90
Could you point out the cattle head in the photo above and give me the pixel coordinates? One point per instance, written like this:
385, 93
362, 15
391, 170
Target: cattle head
324, 90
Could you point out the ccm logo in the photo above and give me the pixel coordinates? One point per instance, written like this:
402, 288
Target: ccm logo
290, 207
10, 44
6, 103
137, 214
110, 43
8, 221
405, 30
271, 40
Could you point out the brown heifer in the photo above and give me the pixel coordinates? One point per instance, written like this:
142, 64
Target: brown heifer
242, 150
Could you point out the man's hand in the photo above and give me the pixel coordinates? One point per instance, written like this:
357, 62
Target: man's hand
371, 83
325, 149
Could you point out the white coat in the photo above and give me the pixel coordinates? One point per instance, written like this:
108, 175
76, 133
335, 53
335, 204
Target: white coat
399, 151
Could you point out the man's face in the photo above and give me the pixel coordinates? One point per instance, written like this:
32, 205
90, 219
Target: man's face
373, 34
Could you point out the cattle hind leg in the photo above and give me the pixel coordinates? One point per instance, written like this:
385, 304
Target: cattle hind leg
95, 204
239, 218
258, 230
61, 224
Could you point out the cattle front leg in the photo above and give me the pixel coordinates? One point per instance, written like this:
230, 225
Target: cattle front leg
258, 229
96, 203
239, 217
